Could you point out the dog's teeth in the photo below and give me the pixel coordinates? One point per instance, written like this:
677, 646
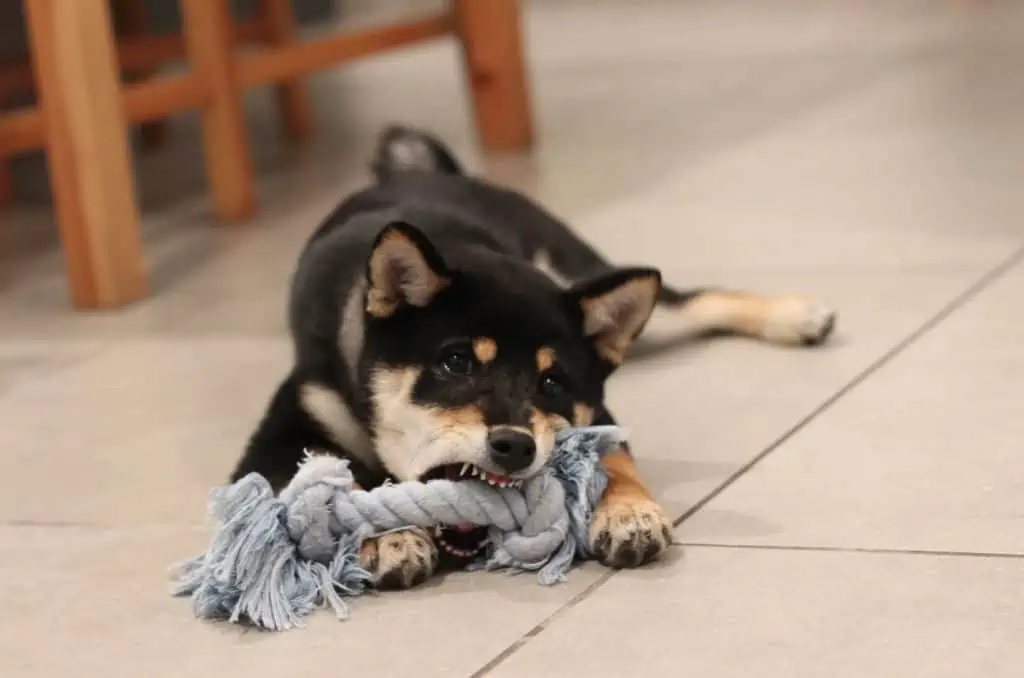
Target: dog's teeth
465, 469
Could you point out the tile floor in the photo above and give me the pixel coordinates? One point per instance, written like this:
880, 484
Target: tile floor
850, 511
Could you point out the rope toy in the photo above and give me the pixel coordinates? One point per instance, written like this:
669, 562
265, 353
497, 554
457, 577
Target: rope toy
272, 560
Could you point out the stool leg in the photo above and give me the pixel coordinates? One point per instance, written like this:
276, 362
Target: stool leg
87, 152
134, 23
293, 95
491, 35
208, 34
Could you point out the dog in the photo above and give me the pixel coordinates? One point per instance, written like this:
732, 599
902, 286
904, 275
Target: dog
445, 327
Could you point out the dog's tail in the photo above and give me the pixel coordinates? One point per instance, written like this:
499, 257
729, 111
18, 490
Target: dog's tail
404, 149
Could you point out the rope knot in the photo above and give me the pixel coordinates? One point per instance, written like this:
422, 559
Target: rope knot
309, 500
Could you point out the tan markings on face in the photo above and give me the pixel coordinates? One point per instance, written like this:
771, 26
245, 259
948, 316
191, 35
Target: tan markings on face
412, 438
508, 427
545, 358
398, 272
544, 427
485, 349
582, 415
460, 417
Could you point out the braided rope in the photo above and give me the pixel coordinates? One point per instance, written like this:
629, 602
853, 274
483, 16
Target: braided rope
274, 559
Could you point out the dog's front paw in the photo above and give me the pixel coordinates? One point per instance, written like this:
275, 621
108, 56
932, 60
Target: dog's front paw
399, 560
628, 531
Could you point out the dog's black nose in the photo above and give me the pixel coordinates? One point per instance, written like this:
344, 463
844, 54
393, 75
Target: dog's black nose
512, 450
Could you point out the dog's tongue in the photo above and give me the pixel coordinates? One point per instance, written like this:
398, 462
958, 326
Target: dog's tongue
465, 527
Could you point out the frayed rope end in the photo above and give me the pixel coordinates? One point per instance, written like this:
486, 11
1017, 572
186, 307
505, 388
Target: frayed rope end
253, 572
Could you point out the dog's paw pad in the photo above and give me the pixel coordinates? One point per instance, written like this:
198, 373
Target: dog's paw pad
800, 321
399, 560
629, 533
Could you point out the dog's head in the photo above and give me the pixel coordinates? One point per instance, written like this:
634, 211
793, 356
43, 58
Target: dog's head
474, 363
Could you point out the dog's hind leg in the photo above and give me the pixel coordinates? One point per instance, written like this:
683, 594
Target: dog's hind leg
787, 320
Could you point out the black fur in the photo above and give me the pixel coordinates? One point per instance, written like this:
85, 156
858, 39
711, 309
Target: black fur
483, 240
442, 325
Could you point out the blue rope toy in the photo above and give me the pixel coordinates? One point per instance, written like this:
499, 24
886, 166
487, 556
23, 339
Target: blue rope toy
273, 560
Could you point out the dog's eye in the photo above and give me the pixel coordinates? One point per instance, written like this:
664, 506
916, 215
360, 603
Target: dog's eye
458, 361
552, 385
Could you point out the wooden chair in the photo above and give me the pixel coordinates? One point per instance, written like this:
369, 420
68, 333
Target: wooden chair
84, 108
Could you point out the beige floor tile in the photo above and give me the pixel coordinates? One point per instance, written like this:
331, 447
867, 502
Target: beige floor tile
136, 435
924, 455
739, 613
22, 361
698, 412
94, 602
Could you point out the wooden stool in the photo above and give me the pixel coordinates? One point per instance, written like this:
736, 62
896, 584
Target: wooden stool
84, 108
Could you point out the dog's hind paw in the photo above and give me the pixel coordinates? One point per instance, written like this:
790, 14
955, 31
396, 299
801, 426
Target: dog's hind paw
798, 321
399, 560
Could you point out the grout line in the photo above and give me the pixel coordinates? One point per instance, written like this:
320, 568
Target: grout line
58, 524
972, 291
1003, 555
542, 625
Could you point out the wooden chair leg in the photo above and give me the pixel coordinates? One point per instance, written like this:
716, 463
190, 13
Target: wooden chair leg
130, 16
292, 96
492, 45
208, 34
87, 152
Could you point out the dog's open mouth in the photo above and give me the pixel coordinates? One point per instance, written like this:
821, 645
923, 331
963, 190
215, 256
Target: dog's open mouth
464, 542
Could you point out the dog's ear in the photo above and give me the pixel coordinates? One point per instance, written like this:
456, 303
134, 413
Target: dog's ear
404, 268
615, 309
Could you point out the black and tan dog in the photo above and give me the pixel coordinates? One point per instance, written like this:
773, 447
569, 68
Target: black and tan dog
446, 327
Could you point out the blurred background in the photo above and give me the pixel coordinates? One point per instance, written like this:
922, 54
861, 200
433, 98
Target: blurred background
582, 104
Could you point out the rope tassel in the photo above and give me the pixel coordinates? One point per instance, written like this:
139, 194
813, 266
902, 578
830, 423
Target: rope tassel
273, 560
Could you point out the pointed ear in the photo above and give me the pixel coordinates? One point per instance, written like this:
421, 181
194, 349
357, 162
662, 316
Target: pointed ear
616, 308
404, 268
